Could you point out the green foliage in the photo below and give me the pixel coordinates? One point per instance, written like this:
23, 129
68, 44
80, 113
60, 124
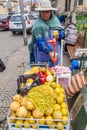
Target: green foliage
53, 2
81, 22
33, 7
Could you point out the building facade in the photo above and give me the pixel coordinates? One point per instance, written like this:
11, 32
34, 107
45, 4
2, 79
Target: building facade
63, 6
13, 5
68, 6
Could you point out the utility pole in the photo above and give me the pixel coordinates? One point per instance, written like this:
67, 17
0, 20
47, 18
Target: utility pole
68, 8
74, 12
23, 22
31, 6
56, 6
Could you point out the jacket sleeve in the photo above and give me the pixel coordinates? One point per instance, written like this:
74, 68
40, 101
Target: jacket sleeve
42, 45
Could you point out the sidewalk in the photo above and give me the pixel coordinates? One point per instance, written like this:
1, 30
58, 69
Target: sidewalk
14, 68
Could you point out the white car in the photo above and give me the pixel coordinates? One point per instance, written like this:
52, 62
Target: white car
15, 23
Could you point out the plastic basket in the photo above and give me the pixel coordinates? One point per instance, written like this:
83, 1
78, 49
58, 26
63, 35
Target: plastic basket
38, 126
39, 64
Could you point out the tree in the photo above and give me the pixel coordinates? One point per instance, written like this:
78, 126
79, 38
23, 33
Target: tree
53, 2
33, 7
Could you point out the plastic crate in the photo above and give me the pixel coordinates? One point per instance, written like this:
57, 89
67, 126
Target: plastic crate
39, 64
11, 126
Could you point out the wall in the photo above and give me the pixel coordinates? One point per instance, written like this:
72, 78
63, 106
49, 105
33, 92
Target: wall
3, 10
61, 6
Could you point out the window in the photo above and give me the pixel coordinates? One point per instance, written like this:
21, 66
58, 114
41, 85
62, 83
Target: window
67, 5
80, 2
31, 17
16, 18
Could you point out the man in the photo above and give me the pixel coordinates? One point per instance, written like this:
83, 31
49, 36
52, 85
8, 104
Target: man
43, 30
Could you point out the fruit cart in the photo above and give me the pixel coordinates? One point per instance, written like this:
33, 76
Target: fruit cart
40, 102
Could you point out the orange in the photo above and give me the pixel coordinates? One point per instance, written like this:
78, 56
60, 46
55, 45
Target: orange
64, 112
56, 107
31, 120
66, 120
53, 85
64, 105
62, 95
43, 69
53, 125
58, 85
49, 120
34, 126
26, 124
60, 100
60, 126
57, 90
62, 90
41, 120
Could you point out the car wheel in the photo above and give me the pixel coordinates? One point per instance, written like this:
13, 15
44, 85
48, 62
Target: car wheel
13, 33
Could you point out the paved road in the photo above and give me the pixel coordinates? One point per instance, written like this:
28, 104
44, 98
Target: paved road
14, 53
9, 44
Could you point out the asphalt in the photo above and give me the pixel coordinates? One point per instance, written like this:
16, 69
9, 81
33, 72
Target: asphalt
16, 66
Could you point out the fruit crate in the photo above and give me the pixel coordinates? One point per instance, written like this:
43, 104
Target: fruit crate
39, 126
39, 64
36, 126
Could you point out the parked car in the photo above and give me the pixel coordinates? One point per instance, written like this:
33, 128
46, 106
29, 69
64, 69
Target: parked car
35, 14
4, 22
12, 13
15, 23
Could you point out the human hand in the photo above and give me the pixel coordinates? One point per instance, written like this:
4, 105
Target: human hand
57, 37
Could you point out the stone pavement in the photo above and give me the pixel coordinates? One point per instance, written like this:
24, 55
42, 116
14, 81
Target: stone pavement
8, 79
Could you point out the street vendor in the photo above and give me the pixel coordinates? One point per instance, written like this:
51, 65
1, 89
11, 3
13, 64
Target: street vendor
45, 27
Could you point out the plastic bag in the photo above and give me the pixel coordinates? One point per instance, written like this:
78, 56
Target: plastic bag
77, 83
